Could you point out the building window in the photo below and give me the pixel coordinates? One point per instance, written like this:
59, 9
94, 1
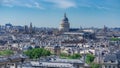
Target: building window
105, 66
113, 66
105, 61
112, 61
109, 66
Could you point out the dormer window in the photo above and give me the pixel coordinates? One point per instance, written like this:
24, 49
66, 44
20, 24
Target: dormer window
112, 61
105, 61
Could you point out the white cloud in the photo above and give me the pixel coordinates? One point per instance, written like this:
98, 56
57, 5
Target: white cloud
37, 5
7, 1
21, 3
42, 4
28, 5
95, 4
102, 7
62, 3
8, 5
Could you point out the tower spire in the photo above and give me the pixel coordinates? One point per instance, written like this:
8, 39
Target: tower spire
65, 14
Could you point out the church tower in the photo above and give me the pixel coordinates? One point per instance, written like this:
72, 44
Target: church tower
31, 28
64, 26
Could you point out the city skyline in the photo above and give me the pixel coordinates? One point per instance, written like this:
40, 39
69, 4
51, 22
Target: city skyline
49, 13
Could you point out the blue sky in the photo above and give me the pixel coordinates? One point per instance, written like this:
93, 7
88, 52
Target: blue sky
49, 13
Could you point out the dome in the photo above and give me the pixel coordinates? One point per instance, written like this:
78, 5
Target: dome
65, 19
64, 25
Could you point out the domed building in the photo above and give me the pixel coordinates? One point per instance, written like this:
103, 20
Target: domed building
65, 25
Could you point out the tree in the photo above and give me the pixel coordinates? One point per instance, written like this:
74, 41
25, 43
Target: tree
74, 56
89, 58
115, 39
94, 65
6, 52
37, 53
63, 55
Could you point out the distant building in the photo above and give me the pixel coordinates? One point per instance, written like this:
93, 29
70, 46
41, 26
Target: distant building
57, 50
0, 27
8, 26
12, 61
65, 25
110, 61
26, 29
58, 63
31, 28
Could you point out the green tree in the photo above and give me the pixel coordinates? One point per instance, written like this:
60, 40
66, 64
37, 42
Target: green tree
74, 56
115, 39
6, 52
94, 65
63, 55
37, 53
89, 58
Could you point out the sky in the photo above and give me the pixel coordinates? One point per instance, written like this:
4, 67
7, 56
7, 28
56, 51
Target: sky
49, 13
